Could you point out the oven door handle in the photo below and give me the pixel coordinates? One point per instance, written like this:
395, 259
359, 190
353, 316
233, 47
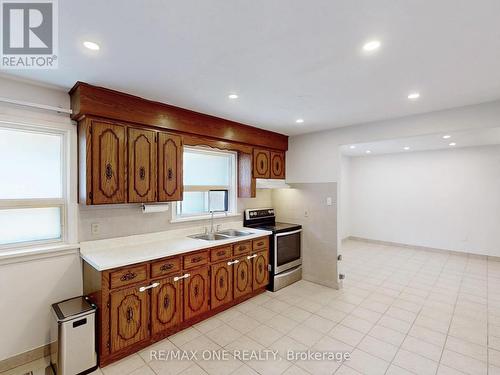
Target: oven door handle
288, 233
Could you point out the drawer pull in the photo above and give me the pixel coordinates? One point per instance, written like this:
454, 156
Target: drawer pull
260, 243
128, 276
233, 262
196, 259
185, 276
143, 288
252, 256
166, 267
221, 253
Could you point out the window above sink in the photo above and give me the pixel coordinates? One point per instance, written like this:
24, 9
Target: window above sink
206, 169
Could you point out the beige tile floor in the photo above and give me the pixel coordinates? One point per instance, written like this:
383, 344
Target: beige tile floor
401, 311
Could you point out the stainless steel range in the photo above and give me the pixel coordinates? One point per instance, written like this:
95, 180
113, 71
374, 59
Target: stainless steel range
285, 256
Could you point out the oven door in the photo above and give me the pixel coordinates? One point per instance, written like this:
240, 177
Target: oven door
287, 250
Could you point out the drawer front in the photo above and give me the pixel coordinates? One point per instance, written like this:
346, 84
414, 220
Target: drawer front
220, 253
195, 260
242, 248
261, 243
127, 276
165, 267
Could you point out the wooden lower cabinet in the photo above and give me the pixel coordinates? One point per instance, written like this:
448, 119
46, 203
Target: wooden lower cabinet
260, 270
129, 318
242, 276
166, 304
196, 292
146, 302
221, 283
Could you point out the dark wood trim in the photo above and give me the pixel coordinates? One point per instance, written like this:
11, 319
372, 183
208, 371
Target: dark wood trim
92, 100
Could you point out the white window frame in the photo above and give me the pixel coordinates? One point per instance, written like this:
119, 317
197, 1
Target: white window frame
232, 188
61, 203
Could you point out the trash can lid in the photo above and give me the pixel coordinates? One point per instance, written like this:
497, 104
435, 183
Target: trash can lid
73, 307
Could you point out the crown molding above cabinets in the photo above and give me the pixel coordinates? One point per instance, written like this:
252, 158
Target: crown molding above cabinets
112, 125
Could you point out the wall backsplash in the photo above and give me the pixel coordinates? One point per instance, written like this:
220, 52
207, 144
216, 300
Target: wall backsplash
305, 204
128, 219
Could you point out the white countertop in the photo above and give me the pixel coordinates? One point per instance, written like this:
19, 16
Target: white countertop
122, 251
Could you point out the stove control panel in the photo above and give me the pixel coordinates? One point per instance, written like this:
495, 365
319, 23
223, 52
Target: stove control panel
258, 213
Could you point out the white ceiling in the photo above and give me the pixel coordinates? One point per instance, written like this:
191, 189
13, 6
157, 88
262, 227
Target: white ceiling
469, 138
285, 58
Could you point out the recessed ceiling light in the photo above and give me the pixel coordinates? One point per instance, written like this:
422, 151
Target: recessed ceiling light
452, 144
368, 151
299, 120
91, 45
447, 136
413, 95
371, 46
406, 148
352, 147
233, 96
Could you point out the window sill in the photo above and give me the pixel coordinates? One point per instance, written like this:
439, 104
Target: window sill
202, 217
35, 253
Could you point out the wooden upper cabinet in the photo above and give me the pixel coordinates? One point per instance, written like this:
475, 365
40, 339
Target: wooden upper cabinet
108, 163
170, 183
129, 318
142, 180
196, 292
277, 164
261, 160
166, 304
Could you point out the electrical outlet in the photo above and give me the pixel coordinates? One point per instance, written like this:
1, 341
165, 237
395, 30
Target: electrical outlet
94, 228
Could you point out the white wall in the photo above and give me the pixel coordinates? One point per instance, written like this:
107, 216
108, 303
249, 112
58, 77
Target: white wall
315, 157
345, 198
29, 287
446, 199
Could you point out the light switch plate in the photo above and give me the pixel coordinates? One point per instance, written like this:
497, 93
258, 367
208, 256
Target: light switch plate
329, 201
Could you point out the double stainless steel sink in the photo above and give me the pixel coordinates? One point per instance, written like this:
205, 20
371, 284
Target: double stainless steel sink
222, 235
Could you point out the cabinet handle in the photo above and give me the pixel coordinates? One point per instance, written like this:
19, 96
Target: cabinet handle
143, 288
196, 259
185, 276
109, 171
170, 173
166, 267
130, 314
261, 164
260, 243
142, 173
221, 253
233, 262
166, 302
128, 276
252, 256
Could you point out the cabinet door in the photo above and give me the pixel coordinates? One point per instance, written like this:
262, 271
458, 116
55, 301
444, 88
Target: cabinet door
166, 304
242, 277
260, 270
221, 284
129, 313
196, 292
261, 163
277, 164
108, 163
142, 180
169, 167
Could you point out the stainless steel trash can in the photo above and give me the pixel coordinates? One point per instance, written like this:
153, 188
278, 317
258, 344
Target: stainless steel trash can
72, 337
